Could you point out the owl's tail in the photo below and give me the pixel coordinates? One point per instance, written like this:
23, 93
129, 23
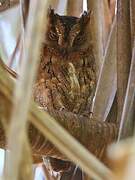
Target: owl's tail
66, 169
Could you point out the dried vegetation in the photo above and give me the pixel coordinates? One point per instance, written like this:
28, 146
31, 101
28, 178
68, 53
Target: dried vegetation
114, 47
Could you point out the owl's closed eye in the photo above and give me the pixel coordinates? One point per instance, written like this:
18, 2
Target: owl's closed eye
52, 36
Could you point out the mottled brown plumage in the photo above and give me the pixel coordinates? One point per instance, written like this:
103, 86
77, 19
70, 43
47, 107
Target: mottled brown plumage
66, 78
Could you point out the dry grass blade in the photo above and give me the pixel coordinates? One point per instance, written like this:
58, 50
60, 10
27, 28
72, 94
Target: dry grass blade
123, 52
107, 20
24, 88
107, 82
119, 155
96, 30
126, 125
132, 17
24, 6
74, 8
47, 174
25, 169
129, 174
128, 147
123, 161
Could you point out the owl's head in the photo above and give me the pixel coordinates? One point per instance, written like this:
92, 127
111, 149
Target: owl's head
67, 33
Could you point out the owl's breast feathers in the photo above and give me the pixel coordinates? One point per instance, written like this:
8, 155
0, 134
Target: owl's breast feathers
66, 83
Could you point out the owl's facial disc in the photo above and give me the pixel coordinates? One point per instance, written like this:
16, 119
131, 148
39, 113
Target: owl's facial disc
67, 33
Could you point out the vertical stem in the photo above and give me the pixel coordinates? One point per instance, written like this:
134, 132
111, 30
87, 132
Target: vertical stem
74, 8
132, 17
126, 124
123, 51
23, 91
107, 80
96, 31
107, 21
25, 9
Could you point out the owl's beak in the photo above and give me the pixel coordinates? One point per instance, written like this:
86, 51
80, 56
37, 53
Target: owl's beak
64, 46
62, 42
64, 52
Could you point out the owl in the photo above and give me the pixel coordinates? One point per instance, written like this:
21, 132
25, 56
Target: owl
66, 78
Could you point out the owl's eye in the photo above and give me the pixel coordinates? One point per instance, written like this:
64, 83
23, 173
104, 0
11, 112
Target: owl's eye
53, 36
79, 39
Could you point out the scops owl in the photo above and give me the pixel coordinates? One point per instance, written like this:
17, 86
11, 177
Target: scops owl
66, 78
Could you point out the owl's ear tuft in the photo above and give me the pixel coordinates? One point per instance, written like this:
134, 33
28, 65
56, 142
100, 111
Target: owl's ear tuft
52, 16
50, 13
85, 17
